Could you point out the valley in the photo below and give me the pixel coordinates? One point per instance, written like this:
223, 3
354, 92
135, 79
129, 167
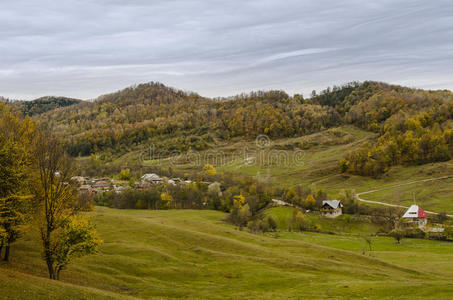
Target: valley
176, 195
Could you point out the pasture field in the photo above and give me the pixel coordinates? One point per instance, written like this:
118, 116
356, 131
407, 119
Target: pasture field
196, 255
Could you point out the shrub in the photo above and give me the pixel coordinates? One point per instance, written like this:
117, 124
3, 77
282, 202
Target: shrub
414, 233
125, 174
272, 223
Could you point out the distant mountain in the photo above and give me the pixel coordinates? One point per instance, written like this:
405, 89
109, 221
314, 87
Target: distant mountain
44, 104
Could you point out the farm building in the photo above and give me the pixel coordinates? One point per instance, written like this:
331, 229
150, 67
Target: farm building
331, 208
85, 188
79, 180
101, 185
416, 216
151, 178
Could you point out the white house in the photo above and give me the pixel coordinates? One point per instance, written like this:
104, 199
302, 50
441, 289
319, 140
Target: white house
331, 208
151, 178
416, 216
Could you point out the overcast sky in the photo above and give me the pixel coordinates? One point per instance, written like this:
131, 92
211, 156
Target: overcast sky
218, 48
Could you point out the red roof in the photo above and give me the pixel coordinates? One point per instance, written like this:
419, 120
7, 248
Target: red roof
421, 213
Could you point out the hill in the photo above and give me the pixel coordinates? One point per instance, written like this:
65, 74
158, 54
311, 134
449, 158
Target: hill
413, 126
194, 254
36, 107
360, 136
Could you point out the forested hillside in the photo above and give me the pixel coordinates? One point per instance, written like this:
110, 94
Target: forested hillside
414, 126
44, 104
139, 114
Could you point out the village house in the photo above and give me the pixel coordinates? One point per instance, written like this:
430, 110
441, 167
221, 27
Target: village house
182, 182
151, 178
79, 180
101, 185
331, 208
177, 180
142, 185
147, 180
415, 216
85, 188
118, 189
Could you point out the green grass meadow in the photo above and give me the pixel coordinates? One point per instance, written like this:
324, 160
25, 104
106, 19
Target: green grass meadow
196, 255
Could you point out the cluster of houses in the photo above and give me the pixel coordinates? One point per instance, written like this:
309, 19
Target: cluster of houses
99, 185
96, 185
148, 180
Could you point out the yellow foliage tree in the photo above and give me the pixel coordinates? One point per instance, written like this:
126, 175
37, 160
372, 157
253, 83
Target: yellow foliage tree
125, 174
77, 238
238, 201
16, 137
310, 202
209, 169
166, 198
64, 234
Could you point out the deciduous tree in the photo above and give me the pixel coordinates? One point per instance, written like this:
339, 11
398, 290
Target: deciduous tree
63, 235
15, 141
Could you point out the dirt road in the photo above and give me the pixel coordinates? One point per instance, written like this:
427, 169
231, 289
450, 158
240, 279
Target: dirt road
399, 185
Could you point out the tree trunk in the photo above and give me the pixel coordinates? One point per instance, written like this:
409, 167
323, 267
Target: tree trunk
48, 256
1, 248
6, 257
50, 269
58, 273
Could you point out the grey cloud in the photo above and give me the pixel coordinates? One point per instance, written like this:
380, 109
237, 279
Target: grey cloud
218, 48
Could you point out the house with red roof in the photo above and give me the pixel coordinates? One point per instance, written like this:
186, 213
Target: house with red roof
416, 216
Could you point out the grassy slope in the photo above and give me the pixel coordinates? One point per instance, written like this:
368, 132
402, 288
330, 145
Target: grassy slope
283, 215
16, 285
430, 256
194, 254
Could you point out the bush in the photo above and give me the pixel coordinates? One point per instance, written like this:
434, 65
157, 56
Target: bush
300, 222
264, 224
272, 223
414, 233
240, 214
125, 174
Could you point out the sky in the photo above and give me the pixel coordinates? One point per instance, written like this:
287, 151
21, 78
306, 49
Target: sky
83, 49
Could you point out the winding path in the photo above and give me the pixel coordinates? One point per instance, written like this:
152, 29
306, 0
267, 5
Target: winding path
398, 185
